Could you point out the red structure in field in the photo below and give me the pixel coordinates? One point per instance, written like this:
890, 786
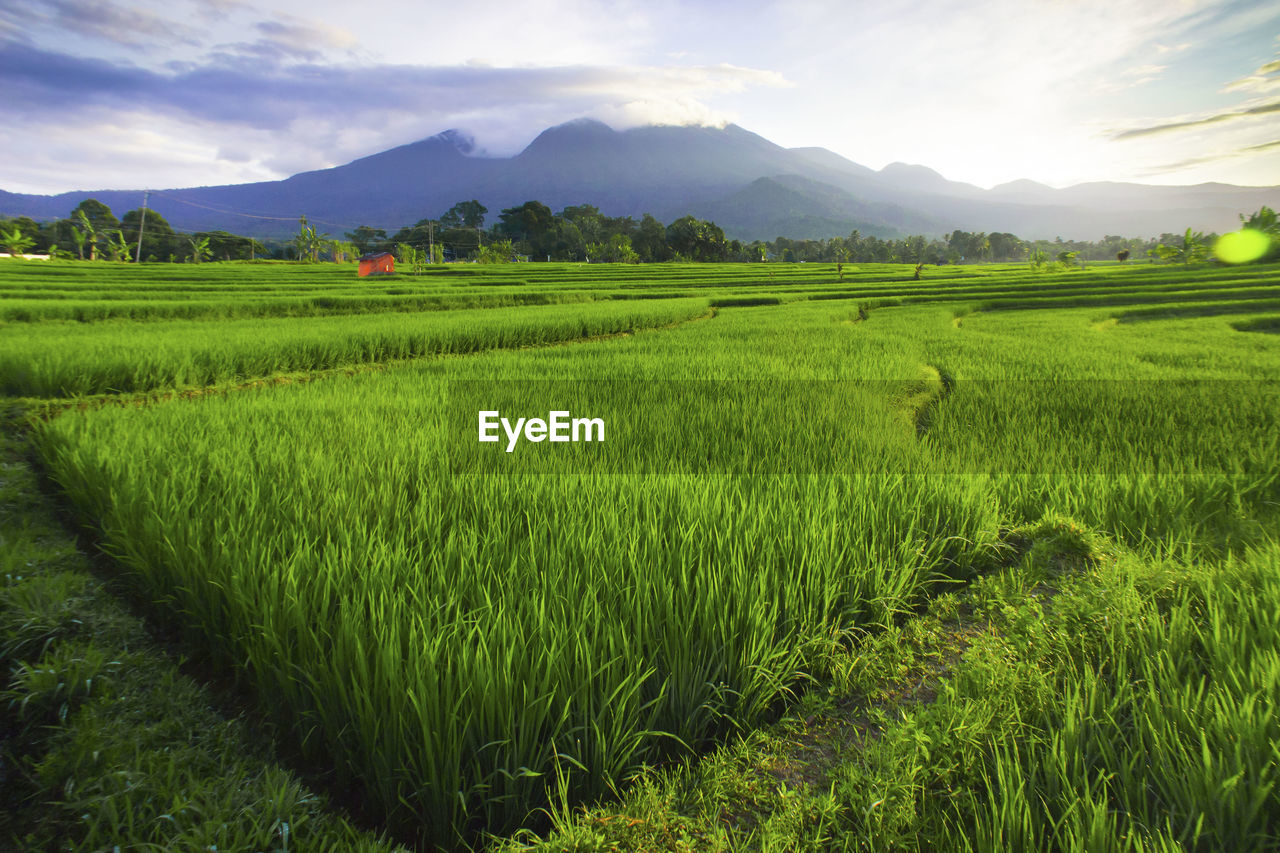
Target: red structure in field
377, 263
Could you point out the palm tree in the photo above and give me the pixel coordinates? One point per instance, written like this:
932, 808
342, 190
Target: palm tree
1194, 247
309, 241
90, 234
200, 250
78, 237
118, 248
16, 242
1264, 220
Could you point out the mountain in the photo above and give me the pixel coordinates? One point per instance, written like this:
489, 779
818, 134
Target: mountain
802, 209
751, 187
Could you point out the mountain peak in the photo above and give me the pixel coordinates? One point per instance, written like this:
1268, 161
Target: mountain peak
460, 140
1021, 184
911, 171
580, 127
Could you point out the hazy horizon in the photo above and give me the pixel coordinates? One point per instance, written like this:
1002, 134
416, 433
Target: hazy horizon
106, 95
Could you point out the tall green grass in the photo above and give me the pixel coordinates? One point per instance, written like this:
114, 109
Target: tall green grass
465, 645
36, 360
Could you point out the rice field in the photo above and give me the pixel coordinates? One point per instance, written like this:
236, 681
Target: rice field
792, 460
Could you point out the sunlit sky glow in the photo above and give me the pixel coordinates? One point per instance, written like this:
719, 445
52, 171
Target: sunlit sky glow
100, 94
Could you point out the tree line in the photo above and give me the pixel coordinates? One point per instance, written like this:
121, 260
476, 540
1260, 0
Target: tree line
92, 232
532, 231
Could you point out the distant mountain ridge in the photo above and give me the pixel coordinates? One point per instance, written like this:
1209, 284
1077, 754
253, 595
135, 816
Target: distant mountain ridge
751, 187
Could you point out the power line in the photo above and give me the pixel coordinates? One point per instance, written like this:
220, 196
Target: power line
232, 212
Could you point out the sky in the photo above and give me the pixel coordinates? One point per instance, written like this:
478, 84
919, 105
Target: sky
100, 94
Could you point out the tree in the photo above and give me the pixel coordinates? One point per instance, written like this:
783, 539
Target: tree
199, 248
90, 232
98, 214
461, 226
1264, 220
465, 214
1267, 222
411, 258
497, 252
650, 241
29, 228
697, 240
158, 237
565, 242
528, 222
617, 249
913, 248
309, 241
367, 239
342, 252
79, 237
117, 247
842, 254
1190, 248
228, 246
1004, 246
15, 242
588, 221
1122, 255
425, 234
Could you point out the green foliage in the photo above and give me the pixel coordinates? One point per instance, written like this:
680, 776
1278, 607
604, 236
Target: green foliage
117, 248
474, 645
497, 252
309, 242
342, 252
528, 222
1192, 248
225, 246
98, 215
79, 237
367, 239
465, 214
409, 257
1264, 219
697, 240
15, 242
100, 358
199, 247
89, 232
158, 236
106, 743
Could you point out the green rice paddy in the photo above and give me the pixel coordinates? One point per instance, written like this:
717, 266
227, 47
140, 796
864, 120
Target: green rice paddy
795, 460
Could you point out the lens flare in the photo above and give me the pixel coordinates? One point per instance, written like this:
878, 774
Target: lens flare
1241, 247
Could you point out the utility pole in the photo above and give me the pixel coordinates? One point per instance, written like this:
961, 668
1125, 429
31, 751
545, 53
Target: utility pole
142, 223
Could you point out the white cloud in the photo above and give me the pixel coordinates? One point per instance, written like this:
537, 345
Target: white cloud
984, 92
267, 120
671, 111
